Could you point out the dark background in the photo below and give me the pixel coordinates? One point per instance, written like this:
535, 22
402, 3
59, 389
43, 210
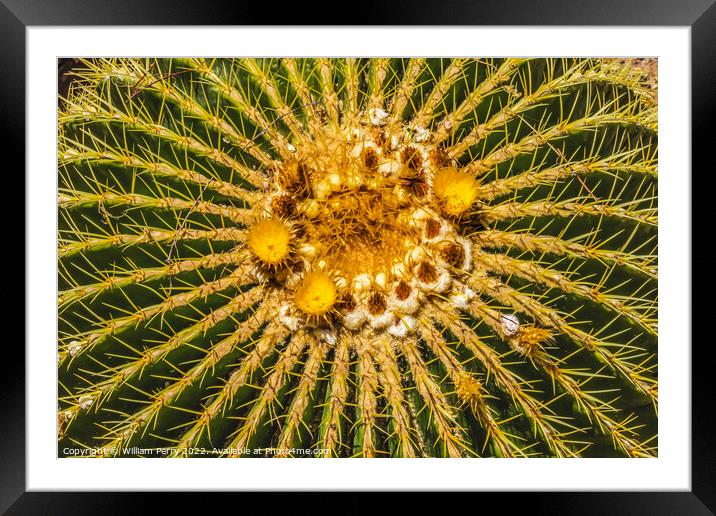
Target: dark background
700, 15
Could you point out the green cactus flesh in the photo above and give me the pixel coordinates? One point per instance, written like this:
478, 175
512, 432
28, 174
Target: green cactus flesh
358, 258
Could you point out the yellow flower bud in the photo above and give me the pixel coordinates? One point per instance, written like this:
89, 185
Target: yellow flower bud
456, 190
269, 241
317, 293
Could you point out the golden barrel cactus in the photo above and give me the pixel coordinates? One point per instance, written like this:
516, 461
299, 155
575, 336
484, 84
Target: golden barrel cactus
385, 257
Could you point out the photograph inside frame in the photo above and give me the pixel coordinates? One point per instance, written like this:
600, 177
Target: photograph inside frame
357, 257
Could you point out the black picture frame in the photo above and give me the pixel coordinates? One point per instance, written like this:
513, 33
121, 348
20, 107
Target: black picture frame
700, 15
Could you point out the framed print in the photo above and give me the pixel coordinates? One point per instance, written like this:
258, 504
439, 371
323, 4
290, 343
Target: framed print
463, 249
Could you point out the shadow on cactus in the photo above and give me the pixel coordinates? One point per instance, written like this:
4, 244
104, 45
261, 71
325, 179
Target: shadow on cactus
358, 257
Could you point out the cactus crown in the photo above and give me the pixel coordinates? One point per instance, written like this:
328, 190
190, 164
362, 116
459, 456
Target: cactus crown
358, 257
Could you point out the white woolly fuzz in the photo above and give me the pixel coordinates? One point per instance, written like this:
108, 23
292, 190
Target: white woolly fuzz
378, 116
394, 142
438, 286
74, 347
289, 321
353, 134
381, 321
446, 230
421, 134
268, 201
408, 305
362, 282
381, 280
417, 254
402, 327
510, 324
418, 217
326, 335
467, 247
443, 282
86, 401
354, 320
335, 181
426, 157
459, 300
398, 270
389, 168
292, 280
363, 145
402, 196
462, 299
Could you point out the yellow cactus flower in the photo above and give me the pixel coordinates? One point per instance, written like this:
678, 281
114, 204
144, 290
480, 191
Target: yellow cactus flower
269, 241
